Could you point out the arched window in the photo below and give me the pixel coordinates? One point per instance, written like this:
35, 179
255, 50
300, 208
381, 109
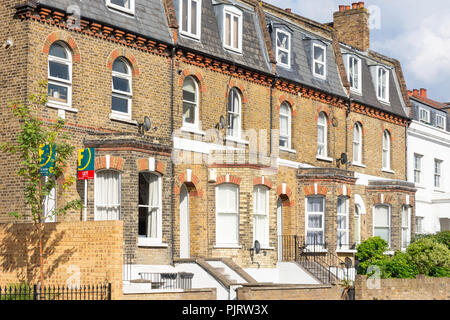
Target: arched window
107, 199
227, 215
386, 150
261, 215
322, 135
150, 223
382, 222
234, 114
357, 225
357, 143
285, 126
190, 103
60, 75
121, 88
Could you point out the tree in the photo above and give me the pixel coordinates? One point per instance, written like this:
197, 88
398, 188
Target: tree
371, 252
34, 134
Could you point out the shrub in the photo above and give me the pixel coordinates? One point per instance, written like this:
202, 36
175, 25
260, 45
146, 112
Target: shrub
400, 266
443, 237
431, 257
370, 252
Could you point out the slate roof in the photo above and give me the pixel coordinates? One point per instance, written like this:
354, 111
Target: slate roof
149, 18
301, 69
253, 55
432, 106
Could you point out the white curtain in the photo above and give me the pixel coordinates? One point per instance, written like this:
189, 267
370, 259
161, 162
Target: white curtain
260, 220
107, 195
315, 208
154, 206
227, 214
381, 222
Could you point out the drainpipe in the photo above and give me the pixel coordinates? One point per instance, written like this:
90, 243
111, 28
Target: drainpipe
271, 111
172, 198
347, 113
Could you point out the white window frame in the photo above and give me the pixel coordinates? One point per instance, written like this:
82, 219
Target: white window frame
233, 12
288, 65
188, 32
235, 243
236, 131
356, 89
111, 205
440, 121
426, 113
437, 173
406, 227
346, 244
419, 225
308, 229
386, 226
287, 115
324, 62
129, 10
357, 145
196, 124
324, 125
357, 224
122, 94
158, 239
417, 169
59, 81
380, 98
265, 242
386, 148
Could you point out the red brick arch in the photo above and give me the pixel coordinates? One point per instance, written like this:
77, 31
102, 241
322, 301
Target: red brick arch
193, 185
231, 179
325, 110
311, 190
142, 165
285, 196
115, 163
123, 52
384, 128
196, 75
263, 181
361, 122
347, 192
67, 39
288, 99
240, 86
382, 198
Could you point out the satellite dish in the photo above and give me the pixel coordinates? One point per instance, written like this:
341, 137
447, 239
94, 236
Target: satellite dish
344, 158
348, 262
147, 124
222, 122
257, 247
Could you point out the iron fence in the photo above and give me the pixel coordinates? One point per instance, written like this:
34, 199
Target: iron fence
35, 292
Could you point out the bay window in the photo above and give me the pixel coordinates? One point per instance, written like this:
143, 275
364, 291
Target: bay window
107, 185
315, 221
382, 223
150, 217
406, 227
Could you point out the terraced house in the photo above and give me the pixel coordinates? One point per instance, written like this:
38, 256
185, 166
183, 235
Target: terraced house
266, 126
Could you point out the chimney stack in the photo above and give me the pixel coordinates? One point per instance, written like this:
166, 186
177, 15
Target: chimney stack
352, 25
288, 10
423, 92
415, 92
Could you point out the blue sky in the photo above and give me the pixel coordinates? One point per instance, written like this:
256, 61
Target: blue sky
416, 32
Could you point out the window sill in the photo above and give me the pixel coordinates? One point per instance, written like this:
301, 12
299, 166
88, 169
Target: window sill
323, 158
267, 248
142, 242
190, 36
388, 171
62, 107
233, 50
237, 140
439, 190
319, 77
227, 246
357, 164
116, 117
193, 130
388, 103
389, 253
120, 9
288, 150
357, 92
346, 250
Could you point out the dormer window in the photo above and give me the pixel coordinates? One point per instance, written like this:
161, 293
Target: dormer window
440, 122
190, 18
354, 73
121, 5
283, 48
232, 26
319, 61
424, 115
383, 84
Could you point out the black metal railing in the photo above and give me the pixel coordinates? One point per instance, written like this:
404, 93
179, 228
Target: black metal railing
35, 292
128, 261
176, 280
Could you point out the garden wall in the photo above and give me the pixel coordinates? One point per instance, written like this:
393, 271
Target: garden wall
289, 292
75, 253
421, 288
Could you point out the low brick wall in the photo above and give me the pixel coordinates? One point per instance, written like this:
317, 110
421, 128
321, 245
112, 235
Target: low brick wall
289, 292
192, 294
421, 288
89, 251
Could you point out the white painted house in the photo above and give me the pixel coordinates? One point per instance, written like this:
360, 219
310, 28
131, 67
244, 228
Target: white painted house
429, 162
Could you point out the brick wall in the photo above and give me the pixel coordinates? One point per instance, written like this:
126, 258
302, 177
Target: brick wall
192, 294
421, 288
293, 292
91, 250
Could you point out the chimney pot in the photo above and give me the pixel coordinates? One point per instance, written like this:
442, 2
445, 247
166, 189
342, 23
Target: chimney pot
341, 8
361, 4
415, 92
354, 5
347, 7
423, 92
288, 10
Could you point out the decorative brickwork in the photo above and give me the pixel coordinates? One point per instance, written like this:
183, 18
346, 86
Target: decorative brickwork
122, 52
196, 74
109, 162
67, 39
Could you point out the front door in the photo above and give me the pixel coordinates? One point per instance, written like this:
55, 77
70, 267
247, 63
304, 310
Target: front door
184, 223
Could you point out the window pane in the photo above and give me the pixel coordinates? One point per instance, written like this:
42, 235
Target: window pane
381, 217
121, 84
119, 104
319, 54
282, 41
120, 66
59, 70
342, 222
184, 18
383, 233
284, 124
319, 69
57, 93
189, 90
227, 228
143, 221
315, 221
236, 32
228, 29
315, 205
260, 229
122, 3
58, 51
283, 57
188, 113
107, 195
314, 238
194, 17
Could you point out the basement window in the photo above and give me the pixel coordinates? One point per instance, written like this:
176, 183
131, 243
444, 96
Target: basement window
126, 6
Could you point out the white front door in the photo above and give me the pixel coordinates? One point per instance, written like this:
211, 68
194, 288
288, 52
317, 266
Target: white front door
280, 228
184, 223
